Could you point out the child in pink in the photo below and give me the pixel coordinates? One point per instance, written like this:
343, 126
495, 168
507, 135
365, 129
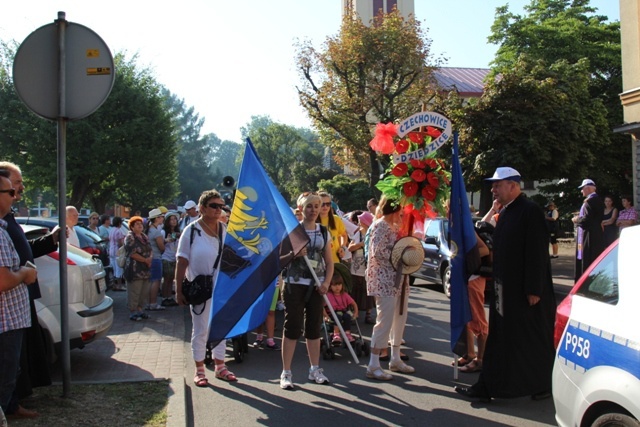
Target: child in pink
344, 306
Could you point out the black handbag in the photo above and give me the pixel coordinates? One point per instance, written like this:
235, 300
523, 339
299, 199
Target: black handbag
200, 289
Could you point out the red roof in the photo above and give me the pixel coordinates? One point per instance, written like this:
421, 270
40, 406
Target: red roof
469, 82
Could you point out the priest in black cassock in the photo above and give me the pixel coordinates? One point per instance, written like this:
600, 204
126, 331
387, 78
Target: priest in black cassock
519, 354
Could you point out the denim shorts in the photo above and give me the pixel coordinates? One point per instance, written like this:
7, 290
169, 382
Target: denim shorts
156, 269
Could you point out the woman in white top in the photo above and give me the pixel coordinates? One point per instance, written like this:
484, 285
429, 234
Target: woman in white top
198, 250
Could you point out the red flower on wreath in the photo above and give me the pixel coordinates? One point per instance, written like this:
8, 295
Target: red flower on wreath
402, 146
433, 180
433, 132
429, 193
400, 169
418, 175
418, 164
410, 188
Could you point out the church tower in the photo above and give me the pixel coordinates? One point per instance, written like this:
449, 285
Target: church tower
367, 9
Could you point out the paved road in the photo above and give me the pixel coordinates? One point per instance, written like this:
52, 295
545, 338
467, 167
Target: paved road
425, 398
159, 348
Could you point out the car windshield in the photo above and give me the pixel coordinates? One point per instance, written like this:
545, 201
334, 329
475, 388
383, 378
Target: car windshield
602, 282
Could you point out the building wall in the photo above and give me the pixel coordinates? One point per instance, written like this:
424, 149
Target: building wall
630, 96
364, 9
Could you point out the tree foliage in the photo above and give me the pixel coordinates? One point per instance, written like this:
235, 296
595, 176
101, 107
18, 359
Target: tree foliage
551, 100
364, 75
290, 156
349, 194
124, 152
571, 31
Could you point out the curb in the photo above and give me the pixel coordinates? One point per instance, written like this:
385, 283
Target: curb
177, 404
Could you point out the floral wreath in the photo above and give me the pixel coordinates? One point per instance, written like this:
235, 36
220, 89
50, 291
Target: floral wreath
416, 177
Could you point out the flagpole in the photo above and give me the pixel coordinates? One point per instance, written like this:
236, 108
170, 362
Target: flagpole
333, 313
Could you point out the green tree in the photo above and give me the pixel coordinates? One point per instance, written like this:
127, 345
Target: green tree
194, 169
570, 30
105, 150
364, 75
349, 194
224, 158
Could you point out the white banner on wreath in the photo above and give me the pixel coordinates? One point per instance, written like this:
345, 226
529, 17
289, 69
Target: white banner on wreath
425, 118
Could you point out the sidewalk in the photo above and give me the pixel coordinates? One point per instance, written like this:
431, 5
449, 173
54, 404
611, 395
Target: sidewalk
136, 351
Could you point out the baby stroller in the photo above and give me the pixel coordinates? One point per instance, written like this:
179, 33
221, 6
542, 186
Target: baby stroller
326, 343
240, 346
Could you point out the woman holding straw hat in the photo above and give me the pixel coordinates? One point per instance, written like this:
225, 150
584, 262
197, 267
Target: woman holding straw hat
381, 283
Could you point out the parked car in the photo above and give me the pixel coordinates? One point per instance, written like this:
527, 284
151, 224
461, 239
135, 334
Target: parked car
89, 241
90, 310
436, 267
596, 374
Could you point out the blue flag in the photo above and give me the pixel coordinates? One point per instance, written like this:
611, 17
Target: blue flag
466, 257
263, 235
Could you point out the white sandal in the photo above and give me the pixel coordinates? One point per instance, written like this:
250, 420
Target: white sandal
378, 374
401, 367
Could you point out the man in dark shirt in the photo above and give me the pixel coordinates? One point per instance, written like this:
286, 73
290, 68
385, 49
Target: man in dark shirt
34, 364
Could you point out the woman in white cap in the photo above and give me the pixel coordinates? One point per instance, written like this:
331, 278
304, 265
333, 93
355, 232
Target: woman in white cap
154, 231
381, 278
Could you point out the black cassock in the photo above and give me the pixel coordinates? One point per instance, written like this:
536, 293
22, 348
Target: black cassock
519, 355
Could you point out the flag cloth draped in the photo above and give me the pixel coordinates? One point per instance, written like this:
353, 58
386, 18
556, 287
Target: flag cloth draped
262, 236
466, 258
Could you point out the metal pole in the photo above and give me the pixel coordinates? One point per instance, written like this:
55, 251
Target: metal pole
62, 203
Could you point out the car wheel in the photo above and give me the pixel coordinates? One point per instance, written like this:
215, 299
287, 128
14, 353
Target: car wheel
615, 419
446, 281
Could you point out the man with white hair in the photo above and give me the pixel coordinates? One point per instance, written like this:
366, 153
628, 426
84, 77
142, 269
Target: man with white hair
72, 221
519, 353
589, 233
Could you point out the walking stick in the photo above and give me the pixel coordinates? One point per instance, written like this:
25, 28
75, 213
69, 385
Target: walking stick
333, 313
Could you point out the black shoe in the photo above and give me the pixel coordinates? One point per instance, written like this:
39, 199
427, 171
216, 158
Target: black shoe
541, 396
472, 393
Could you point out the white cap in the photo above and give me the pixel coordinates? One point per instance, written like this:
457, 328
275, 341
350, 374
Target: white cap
190, 204
505, 173
154, 213
586, 182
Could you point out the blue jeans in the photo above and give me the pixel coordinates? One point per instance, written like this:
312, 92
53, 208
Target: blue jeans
10, 348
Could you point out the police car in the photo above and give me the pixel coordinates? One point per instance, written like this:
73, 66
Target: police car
596, 375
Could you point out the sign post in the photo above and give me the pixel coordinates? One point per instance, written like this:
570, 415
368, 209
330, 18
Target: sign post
63, 71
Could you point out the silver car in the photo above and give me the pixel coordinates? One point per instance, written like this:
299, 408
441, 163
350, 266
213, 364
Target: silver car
90, 309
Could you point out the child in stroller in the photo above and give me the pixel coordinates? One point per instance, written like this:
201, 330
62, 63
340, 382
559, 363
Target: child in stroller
344, 306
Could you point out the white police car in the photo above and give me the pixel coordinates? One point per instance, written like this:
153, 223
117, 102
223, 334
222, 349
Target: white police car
596, 375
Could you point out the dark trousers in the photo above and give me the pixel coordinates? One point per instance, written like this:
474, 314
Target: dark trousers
10, 348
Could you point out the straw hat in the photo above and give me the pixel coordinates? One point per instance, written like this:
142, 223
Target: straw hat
409, 249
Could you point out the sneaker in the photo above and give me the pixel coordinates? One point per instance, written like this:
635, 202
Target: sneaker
286, 381
135, 317
257, 343
142, 315
273, 346
317, 376
169, 302
156, 307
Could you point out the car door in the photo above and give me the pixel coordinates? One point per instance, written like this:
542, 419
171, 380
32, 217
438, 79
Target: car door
431, 244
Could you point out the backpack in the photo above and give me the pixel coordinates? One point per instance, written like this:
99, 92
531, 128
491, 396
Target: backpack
121, 256
485, 231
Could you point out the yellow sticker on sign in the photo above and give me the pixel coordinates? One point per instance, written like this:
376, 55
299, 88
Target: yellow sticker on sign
93, 53
100, 71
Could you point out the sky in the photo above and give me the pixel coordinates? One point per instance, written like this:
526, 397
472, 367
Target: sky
231, 60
